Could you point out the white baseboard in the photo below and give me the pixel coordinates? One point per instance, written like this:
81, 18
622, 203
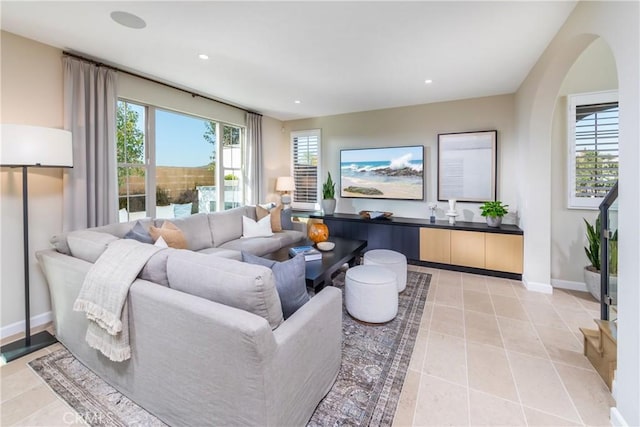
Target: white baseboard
568, 284
544, 288
18, 327
616, 418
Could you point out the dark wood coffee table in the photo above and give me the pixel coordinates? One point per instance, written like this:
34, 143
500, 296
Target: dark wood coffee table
318, 273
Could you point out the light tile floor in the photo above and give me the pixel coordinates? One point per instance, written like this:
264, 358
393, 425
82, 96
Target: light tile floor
488, 352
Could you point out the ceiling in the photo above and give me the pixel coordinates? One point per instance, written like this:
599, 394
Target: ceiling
332, 57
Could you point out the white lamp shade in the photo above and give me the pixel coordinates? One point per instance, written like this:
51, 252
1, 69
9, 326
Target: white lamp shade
22, 145
285, 183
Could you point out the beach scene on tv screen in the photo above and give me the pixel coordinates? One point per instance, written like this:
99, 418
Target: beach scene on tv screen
382, 173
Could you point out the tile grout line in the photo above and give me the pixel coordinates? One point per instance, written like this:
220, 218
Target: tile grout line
415, 407
25, 368
564, 387
513, 376
466, 354
553, 362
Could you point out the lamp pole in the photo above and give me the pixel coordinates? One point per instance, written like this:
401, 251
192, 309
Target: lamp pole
24, 146
25, 256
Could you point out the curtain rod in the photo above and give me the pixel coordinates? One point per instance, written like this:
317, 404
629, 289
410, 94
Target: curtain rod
193, 94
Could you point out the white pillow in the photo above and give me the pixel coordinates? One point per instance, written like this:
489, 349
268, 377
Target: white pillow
123, 215
161, 243
251, 228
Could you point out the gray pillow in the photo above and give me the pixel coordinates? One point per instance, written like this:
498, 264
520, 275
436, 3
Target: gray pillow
285, 219
290, 281
139, 233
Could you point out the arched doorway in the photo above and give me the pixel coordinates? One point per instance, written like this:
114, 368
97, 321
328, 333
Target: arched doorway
617, 23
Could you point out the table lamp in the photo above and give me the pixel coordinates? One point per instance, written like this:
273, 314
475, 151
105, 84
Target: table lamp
23, 147
284, 185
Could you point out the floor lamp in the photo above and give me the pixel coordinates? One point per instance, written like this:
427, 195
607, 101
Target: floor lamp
24, 147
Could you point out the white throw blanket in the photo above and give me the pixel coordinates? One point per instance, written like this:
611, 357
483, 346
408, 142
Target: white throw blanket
104, 293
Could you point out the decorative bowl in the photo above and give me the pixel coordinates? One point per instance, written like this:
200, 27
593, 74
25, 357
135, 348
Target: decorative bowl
375, 214
318, 232
325, 246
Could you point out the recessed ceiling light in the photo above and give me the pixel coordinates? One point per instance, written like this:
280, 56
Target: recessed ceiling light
128, 20
297, 101
203, 56
428, 81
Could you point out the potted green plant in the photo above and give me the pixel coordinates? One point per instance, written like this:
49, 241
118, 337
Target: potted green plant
493, 211
328, 196
592, 271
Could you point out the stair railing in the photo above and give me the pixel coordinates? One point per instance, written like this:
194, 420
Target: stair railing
607, 298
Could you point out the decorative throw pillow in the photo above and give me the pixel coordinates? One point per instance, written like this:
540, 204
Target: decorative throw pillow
161, 243
290, 281
275, 212
266, 207
181, 211
123, 215
276, 224
262, 211
251, 228
171, 234
139, 233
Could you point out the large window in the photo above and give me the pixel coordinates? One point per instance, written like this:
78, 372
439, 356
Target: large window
593, 147
182, 158
305, 147
132, 158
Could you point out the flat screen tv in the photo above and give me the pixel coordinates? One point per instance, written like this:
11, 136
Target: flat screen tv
382, 173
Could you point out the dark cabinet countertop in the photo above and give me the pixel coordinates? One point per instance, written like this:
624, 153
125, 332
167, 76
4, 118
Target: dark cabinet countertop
421, 222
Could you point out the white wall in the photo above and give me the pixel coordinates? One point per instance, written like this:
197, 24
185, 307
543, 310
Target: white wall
420, 125
31, 94
595, 70
618, 24
276, 155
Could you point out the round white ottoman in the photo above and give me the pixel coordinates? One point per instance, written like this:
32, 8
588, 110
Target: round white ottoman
392, 260
371, 293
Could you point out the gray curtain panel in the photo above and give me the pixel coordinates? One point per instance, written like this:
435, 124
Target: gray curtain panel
253, 167
90, 187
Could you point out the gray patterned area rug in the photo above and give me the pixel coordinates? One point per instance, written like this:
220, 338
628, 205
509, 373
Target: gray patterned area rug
375, 359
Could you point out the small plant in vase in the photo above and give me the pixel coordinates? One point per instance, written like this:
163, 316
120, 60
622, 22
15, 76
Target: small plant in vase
493, 211
328, 196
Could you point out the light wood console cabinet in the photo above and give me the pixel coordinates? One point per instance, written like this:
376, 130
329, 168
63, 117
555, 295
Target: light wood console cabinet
466, 246
475, 249
503, 252
435, 245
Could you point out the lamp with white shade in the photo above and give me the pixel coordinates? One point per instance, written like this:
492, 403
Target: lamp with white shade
24, 147
284, 185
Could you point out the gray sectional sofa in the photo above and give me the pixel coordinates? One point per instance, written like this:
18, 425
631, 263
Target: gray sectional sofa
196, 361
